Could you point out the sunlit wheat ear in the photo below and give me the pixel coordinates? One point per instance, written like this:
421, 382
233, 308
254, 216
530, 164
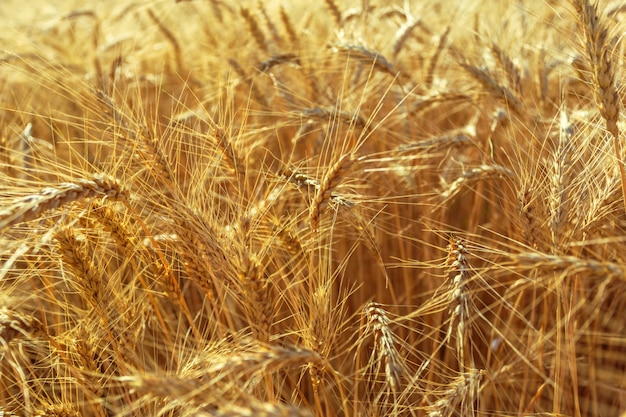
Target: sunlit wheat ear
512, 71
233, 159
404, 33
561, 175
600, 47
254, 28
58, 410
169, 35
434, 60
330, 180
459, 274
493, 88
334, 10
366, 56
378, 325
259, 308
461, 396
258, 410
289, 28
89, 279
481, 173
531, 216
34, 206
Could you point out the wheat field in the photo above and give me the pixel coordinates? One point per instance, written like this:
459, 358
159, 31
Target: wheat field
332, 208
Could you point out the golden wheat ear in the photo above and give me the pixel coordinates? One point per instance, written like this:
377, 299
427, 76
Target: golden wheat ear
600, 47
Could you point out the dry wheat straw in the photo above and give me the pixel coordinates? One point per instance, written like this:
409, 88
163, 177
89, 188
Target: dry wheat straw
33, 206
378, 325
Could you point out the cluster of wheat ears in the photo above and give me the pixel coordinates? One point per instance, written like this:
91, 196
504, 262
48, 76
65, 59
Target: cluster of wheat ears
275, 208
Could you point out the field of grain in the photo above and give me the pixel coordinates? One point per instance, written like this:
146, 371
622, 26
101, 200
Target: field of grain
289, 208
